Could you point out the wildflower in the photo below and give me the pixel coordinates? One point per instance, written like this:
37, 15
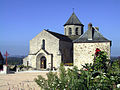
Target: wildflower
112, 78
42, 83
104, 73
86, 69
65, 85
97, 76
118, 85
58, 84
52, 84
92, 78
91, 69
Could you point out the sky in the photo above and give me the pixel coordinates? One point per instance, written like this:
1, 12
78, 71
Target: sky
22, 20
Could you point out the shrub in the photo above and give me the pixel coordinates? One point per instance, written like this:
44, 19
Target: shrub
101, 75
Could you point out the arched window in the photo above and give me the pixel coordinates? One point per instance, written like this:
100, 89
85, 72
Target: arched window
70, 31
76, 31
43, 44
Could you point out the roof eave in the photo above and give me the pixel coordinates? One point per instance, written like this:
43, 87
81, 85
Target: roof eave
92, 41
74, 24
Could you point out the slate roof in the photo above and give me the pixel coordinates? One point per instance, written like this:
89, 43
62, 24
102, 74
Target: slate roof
97, 37
60, 36
73, 20
74, 37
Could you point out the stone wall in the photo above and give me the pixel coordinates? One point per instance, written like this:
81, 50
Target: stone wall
66, 51
83, 52
31, 59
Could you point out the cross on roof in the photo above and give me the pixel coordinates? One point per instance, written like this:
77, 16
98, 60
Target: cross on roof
6, 54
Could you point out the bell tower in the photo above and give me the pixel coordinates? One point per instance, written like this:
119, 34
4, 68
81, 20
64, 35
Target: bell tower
73, 26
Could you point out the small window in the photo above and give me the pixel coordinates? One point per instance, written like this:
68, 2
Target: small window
43, 44
65, 31
70, 31
76, 31
27, 63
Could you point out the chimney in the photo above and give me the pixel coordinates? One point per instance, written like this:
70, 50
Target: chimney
90, 31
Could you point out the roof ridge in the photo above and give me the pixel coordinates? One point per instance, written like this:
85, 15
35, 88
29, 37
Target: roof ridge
60, 36
55, 32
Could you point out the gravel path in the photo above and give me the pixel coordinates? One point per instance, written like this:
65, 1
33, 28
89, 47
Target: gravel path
20, 81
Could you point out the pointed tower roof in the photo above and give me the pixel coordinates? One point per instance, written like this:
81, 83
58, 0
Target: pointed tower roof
73, 20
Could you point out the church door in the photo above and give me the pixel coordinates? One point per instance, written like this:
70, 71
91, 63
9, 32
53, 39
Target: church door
43, 62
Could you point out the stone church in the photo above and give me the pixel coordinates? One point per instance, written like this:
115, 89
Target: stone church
48, 49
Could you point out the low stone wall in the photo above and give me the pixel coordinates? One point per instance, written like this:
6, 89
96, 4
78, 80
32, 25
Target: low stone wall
4, 71
35, 71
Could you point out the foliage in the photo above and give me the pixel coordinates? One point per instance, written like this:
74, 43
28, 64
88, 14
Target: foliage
23, 68
67, 79
101, 61
101, 75
14, 60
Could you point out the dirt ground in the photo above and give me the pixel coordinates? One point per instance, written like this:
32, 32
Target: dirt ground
20, 81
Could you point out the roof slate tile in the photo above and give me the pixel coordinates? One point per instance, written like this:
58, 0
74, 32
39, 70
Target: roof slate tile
97, 37
73, 20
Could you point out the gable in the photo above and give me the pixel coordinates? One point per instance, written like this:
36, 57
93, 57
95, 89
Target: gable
44, 34
37, 42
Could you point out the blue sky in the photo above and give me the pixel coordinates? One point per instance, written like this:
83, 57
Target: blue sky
21, 20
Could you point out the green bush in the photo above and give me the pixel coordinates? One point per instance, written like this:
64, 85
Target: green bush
101, 75
22, 66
